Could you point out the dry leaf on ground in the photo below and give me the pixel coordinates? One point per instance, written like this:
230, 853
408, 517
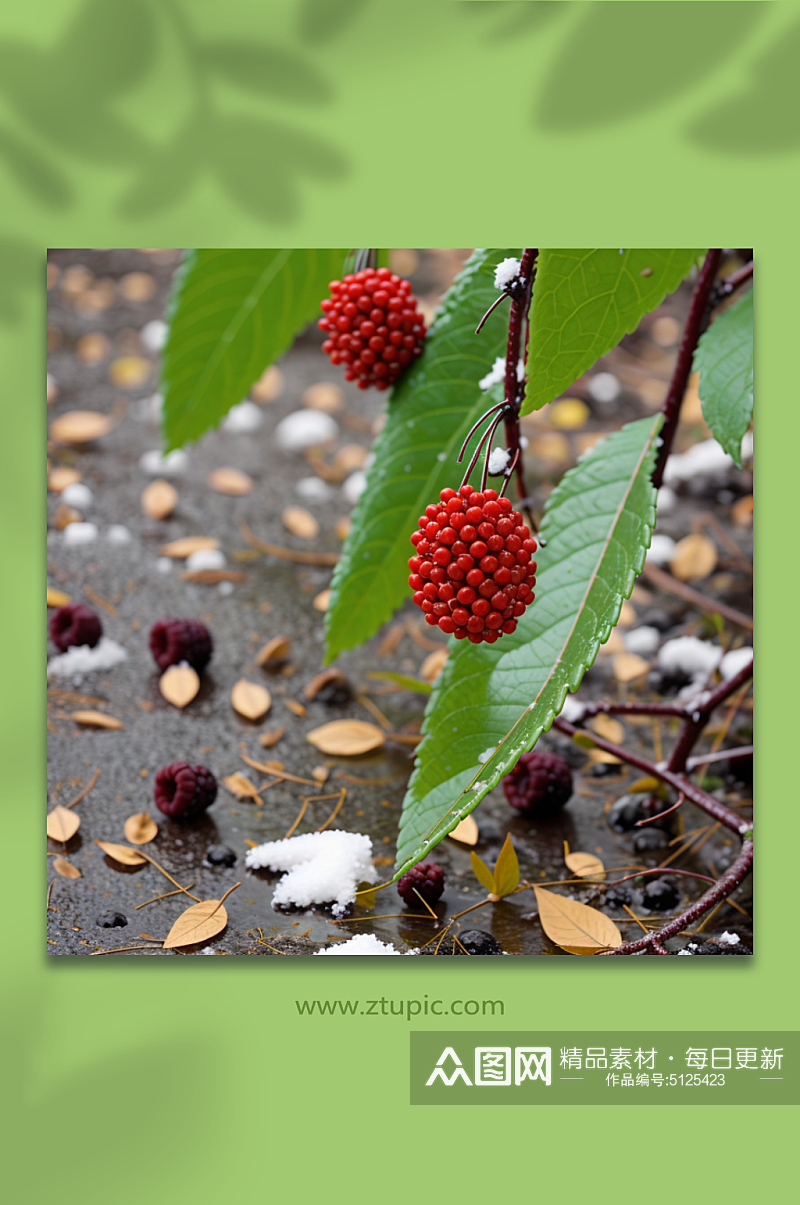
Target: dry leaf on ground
62, 824
586, 866
65, 515
466, 831
96, 719
346, 738
268, 386
184, 547
159, 499
629, 666
80, 426
196, 924
230, 481
609, 728
140, 828
274, 652
60, 477
122, 853
270, 738
296, 708
300, 523
250, 700
694, 558
179, 685
575, 927
322, 601
240, 786
56, 598
65, 869
324, 396
326, 677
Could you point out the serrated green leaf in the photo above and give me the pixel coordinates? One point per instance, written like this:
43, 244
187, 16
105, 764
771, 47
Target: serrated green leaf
584, 302
724, 359
491, 703
506, 870
482, 873
430, 412
231, 315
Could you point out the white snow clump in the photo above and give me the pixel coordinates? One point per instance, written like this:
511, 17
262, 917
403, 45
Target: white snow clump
734, 661
313, 489
643, 641
362, 943
498, 373
155, 465
604, 387
688, 655
323, 868
305, 429
242, 418
80, 533
205, 558
118, 534
499, 459
80, 659
354, 486
154, 334
702, 459
77, 494
661, 550
506, 271
666, 500
729, 939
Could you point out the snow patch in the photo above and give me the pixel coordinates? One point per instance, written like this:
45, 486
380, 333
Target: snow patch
666, 501
354, 486
80, 533
604, 387
313, 489
506, 272
118, 534
499, 460
729, 939
643, 641
155, 465
734, 661
498, 373
80, 659
77, 494
362, 943
703, 459
322, 868
661, 550
240, 419
154, 334
205, 558
688, 655
305, 429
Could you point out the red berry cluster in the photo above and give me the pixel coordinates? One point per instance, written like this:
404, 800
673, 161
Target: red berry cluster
375, 327
472, 574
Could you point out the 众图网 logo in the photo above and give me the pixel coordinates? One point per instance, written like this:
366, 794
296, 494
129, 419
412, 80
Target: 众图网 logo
494, 1066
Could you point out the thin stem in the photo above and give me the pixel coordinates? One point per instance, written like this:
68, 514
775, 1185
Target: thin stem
488, 433
86, 789
514, 388
696, 323
475, 426
492, 430
707, 759
661, 815
490, 310
735, 280
665, 581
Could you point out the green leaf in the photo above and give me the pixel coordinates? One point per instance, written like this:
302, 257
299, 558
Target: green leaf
482, 873
429, 414
491, 703
231, 315
724, 359
506, 870
584, 302
405, 680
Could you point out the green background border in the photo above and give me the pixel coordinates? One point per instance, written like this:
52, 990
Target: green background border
130, 1079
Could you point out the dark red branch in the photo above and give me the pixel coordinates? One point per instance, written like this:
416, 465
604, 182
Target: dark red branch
514, 388
699, 714
696, 323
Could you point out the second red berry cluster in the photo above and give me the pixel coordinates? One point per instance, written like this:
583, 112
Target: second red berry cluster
473, 573
374, 326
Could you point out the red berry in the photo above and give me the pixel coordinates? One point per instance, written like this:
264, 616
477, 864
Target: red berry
539, 785
373, 317
75, 624
497, 589
183, 792
426, 880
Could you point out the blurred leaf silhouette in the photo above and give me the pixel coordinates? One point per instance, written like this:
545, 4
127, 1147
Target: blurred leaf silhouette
623, 59
20, 261
110, 1096
167, 173
762, 118
64, 93
521, 17
321, 20
267, 70
38, 176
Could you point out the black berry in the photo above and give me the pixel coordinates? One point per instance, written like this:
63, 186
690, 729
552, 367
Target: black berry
478, 941
473, 571
374, 326
111, 920
175, 640
627, 811
660, 895
75, 624
220, 855
183, 792
539, 785
426, 879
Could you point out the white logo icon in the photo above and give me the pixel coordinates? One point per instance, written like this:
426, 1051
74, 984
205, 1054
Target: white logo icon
493, 1066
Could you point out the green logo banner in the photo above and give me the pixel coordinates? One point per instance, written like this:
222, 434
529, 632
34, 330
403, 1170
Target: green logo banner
529, 1067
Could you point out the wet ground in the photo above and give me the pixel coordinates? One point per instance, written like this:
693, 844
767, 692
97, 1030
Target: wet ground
111, 371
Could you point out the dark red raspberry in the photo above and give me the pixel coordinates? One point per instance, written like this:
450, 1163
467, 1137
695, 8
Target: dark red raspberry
473, 573
175, 640
183, 792
539, 785
374, 326
427, 878
75, 624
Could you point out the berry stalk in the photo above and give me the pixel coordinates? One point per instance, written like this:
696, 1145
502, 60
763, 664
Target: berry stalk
520, 293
